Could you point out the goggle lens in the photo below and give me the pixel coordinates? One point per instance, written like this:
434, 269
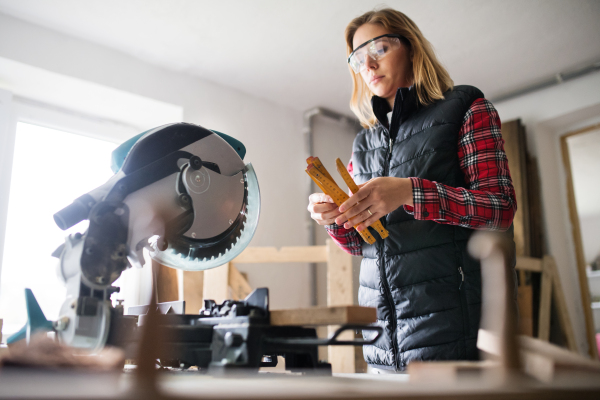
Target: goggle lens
375, 48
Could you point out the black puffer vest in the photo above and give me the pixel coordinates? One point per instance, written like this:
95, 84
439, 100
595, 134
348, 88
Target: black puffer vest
425, 286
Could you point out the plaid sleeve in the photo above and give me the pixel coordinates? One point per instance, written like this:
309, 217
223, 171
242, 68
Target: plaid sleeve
489, 201
347, 239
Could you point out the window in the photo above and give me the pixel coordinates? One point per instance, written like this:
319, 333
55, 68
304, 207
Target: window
55, 145
50, 169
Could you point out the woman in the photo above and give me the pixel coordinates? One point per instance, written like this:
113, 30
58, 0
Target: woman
431, 165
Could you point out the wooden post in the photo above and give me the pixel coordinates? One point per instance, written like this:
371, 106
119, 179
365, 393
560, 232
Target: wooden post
240, 288
167, 285
343, 359
216, 284
545, 302
561, 303
193, 288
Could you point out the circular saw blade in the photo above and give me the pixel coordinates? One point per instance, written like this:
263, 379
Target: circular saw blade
197, 255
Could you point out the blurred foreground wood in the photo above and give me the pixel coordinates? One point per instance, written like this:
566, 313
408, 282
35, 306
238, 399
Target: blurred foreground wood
509, 357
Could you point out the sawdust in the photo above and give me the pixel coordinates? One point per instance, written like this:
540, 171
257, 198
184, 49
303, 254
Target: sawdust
43, 352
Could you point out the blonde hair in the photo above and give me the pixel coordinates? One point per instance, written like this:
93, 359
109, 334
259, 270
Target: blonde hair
431, 80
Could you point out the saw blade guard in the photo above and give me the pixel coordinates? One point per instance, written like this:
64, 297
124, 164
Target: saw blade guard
178, 259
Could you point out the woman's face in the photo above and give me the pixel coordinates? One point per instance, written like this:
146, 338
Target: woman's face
386, 75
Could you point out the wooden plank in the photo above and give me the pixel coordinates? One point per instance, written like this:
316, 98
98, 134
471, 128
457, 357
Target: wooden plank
529, 264
515, 148
540, 359
167, 285
536, 225
193, 285
316, 316
562, 357
561, 304
216, 284
545, 303
256, 255
445, 371
576, 231
240, 288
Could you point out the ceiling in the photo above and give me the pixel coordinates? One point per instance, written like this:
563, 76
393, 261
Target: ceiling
293, 52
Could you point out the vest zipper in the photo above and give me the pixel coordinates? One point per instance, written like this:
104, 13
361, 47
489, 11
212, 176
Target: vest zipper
465, 308
386, 287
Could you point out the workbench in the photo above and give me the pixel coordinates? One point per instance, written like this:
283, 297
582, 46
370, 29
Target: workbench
29, 384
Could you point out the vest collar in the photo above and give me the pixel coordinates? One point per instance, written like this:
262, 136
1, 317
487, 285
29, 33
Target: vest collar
405, 103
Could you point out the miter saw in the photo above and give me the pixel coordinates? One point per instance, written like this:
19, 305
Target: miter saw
184, 193
179, 190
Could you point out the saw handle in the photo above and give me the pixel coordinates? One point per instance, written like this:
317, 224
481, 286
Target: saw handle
332, 340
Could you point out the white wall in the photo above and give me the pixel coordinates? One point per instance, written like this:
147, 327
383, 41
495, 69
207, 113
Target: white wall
331, 139
548, 114
584, 154
590, 233
271, 133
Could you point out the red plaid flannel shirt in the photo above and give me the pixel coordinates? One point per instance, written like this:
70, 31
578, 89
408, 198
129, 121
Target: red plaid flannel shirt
488, 203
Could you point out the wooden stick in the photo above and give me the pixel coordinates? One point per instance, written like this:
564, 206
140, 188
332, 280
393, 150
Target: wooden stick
529, 264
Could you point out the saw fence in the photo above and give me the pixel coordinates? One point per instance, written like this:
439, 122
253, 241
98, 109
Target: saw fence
227, 282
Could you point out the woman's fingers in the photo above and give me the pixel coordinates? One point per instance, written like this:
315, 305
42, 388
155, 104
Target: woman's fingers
355, 199
324, 214
366, 220
322, 209
320, 198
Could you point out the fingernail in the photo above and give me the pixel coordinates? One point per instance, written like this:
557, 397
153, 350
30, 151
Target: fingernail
341, 210
347, 225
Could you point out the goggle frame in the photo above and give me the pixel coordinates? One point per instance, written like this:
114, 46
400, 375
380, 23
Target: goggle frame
391, 35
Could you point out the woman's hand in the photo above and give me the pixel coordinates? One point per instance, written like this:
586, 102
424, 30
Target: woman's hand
322, 209
380, 196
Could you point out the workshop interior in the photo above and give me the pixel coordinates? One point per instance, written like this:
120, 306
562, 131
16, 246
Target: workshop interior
156, 163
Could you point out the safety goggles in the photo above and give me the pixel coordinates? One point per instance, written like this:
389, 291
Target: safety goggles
376, 48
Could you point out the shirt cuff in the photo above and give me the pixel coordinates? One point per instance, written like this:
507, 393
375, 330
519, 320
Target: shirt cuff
426, 199
337, 229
